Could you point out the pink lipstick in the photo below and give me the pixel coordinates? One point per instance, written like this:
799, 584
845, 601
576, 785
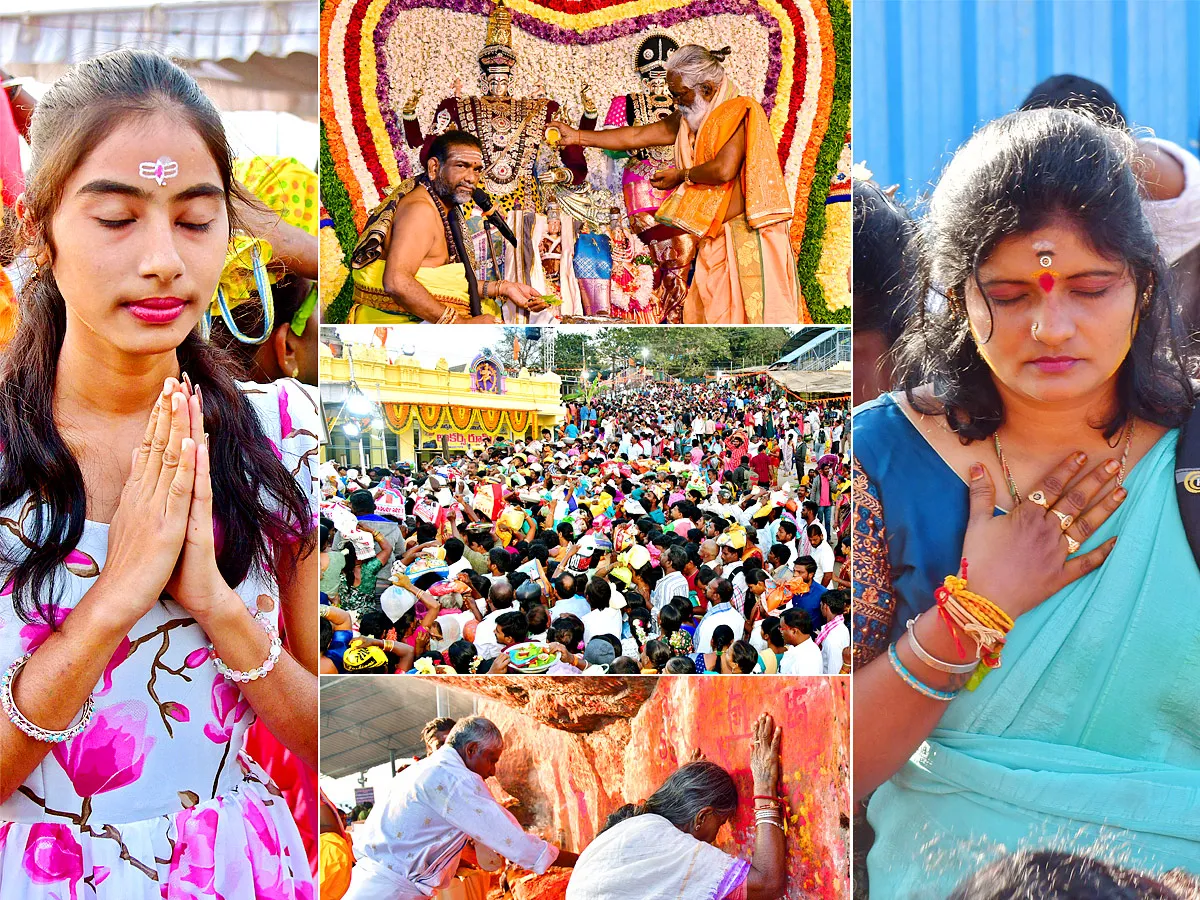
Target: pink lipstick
157, 310
1055, 364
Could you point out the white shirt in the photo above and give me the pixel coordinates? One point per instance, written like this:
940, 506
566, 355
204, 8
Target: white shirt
824, 559
1176, 222
831, 651
432, 808
602, 621
721, 614
673, 584
485, 631
461, 566
803, 659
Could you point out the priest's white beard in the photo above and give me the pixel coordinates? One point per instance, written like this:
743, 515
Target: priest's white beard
696, 112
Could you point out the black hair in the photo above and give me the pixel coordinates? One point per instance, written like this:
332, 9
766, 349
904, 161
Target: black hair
798, 619
882, 266
722, 637
836, 600
564, 586
454, 550
439, 149
745, 657
499, 557
724, 589
658, 652
807, 563
462, 654
623, 665
257, 504
669, 619
1056, 875
515, 625
1014, 176
1078, 93
568, 631
375, 624
326, 637
538, 618
680, 665
598, 593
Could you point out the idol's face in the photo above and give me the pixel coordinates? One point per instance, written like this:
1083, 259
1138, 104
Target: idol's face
498, 83
655, 80
1056, 332
137, 261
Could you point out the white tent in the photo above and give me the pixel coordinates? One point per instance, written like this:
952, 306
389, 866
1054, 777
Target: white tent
246, 54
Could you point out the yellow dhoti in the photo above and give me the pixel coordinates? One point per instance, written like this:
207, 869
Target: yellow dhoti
745, 269
374, 306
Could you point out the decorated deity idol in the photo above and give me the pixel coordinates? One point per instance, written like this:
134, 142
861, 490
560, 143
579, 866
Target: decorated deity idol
670, 249
511, 129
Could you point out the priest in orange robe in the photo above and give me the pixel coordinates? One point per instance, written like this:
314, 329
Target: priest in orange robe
727, 189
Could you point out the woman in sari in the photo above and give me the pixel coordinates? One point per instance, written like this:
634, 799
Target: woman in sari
663, 849
1050, 369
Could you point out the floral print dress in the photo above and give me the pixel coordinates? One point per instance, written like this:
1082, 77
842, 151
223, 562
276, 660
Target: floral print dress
155, 798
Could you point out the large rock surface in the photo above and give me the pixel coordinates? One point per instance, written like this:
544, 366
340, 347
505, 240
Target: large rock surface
567, 780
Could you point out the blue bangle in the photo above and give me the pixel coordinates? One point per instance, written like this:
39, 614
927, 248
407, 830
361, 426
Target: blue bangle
919, 686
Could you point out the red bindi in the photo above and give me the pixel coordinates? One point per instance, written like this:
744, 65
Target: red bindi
1046, 281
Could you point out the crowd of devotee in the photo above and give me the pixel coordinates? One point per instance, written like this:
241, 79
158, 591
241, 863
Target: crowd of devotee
661, 528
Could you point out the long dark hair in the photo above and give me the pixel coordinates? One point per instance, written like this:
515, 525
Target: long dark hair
688, 790
1012, 177
258, 507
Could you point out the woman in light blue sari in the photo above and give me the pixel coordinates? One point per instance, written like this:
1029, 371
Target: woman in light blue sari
1034, 435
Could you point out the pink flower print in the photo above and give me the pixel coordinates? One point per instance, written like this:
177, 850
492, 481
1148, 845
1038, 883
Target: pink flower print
229, 707
4, 833
52, 855
34, 635
196, 658
194, 860
263, 850
80, 564
109, 754
275, 450
285, 417
177, 711
99, 873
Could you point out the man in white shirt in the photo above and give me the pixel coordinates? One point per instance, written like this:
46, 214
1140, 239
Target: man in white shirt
605, 606
803, 656
568, 601
822, 553
674, 582
835, 636
411, 842
720, 612
501, 599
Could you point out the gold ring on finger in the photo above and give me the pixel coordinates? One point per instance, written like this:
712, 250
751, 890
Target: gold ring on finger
1064, 519
1039, 498
1072, 544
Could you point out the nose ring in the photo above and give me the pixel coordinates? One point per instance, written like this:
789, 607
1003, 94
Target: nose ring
1033, 331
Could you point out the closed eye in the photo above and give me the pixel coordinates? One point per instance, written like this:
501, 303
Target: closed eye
114, 223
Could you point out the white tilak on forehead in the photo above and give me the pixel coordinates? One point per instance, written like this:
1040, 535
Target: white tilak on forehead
160, 170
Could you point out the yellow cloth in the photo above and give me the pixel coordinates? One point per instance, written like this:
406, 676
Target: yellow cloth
285, 185
375, 306
700, 209
336, 861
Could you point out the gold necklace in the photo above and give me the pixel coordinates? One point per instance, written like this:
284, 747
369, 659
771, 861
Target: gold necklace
1012, 484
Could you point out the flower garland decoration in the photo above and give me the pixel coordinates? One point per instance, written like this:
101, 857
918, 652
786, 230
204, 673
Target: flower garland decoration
792, 55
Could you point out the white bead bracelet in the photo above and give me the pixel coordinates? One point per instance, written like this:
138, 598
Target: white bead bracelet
18, 719
261, 672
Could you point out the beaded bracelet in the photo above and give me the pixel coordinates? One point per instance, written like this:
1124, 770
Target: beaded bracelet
932, 661
262, 671
919, 686
18, 718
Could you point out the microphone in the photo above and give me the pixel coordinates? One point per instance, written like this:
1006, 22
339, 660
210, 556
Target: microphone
492, 215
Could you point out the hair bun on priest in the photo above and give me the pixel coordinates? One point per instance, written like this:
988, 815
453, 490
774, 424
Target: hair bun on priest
720, 55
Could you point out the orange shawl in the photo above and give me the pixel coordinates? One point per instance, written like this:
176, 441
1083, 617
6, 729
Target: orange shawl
700, 209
